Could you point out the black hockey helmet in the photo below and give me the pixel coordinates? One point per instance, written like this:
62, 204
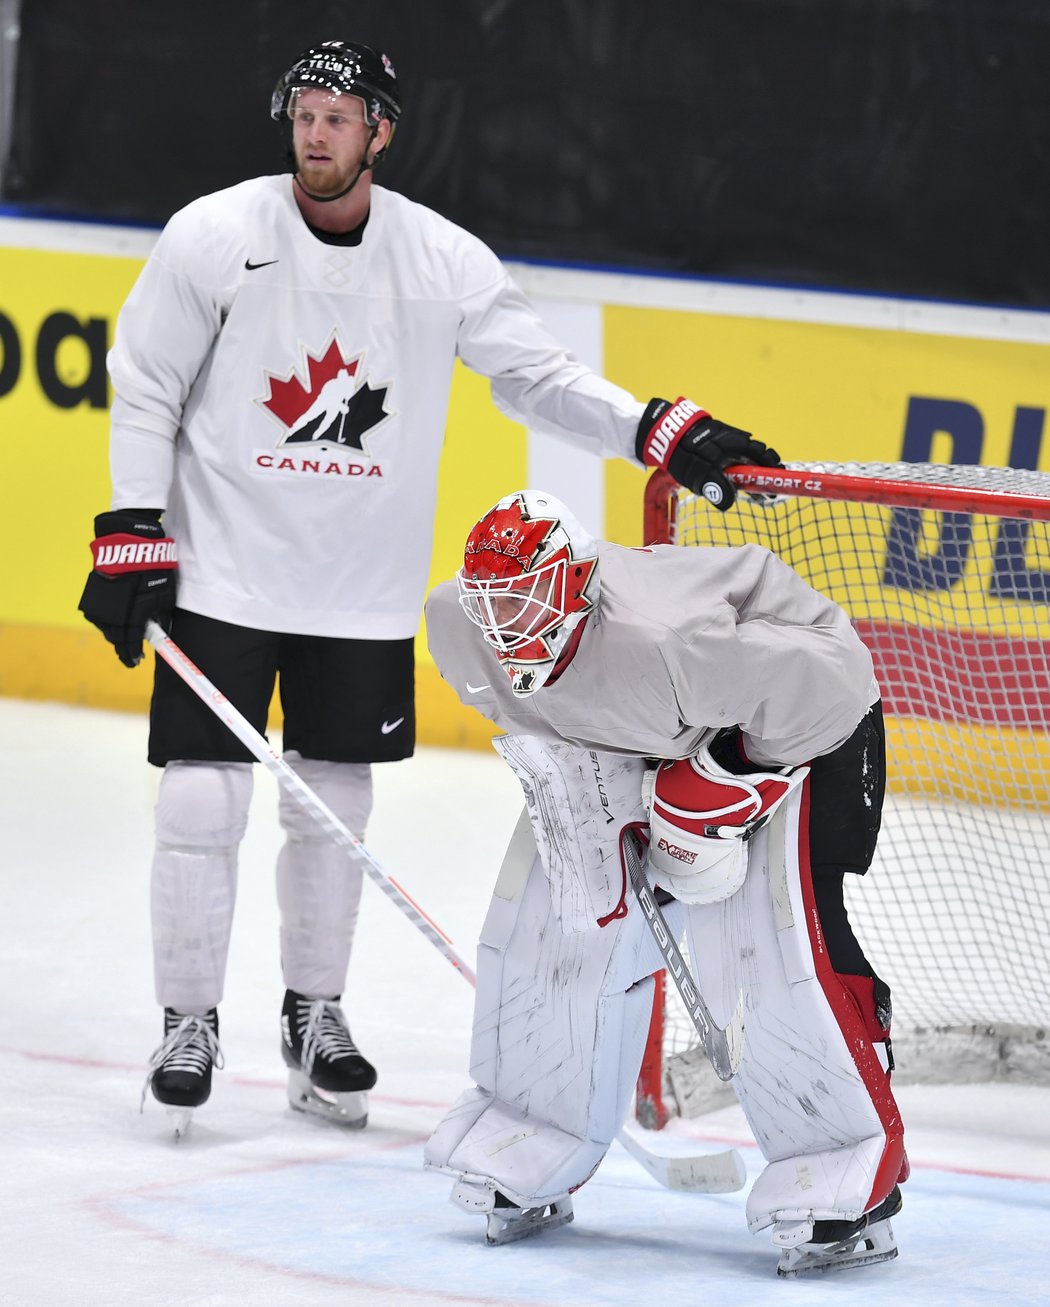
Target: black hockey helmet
346, 67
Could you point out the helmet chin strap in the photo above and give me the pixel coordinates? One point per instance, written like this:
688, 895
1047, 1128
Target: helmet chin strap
365, 166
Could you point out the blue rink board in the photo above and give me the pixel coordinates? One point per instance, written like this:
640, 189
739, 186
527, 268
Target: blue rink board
380, 1224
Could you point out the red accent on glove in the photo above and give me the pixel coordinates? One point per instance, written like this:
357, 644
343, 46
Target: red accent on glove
697, 803
116, 554
668, 429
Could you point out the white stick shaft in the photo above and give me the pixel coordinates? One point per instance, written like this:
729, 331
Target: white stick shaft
290, 781
724, 1047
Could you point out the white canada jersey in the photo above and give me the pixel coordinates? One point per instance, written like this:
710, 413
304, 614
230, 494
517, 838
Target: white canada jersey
684, 642
284, 401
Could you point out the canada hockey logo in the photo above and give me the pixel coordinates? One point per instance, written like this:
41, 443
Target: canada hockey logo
336, 405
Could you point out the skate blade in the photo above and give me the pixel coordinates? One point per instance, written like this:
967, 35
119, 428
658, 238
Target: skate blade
873, 1245
501, 1229
350, 1111
181, 1119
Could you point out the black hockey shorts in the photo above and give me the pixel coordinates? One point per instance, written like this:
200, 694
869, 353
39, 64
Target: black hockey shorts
846, 789
343, 700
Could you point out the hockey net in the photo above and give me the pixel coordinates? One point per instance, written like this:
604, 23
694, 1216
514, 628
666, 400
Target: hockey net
945, 572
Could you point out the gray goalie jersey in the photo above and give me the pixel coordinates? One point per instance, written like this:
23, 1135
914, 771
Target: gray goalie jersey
683, 643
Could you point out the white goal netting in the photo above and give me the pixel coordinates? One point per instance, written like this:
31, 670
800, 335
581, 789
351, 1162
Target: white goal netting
945, 572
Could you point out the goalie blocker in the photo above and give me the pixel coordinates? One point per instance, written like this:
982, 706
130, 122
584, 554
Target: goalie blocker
563, 1002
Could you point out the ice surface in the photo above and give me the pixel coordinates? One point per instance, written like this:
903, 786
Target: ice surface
261, 1206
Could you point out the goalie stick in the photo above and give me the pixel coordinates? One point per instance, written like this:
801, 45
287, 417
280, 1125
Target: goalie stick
723, 1046
717, 1169
695, 1173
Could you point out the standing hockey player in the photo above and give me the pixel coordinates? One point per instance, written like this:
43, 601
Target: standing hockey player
281, 373
758, 701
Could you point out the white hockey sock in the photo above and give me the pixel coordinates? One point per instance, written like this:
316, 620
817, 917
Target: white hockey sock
201, 815
318, 884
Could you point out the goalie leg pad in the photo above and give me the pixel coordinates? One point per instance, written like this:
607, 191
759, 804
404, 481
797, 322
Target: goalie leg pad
810, 1081
560, 1024
578, 801
495, 1146
318, 886
201, 817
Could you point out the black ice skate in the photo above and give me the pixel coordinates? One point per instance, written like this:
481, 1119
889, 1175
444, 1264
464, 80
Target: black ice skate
809, 1246
327, 1077
180, 1068
506, 1221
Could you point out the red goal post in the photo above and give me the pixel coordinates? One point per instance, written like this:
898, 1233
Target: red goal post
945, 572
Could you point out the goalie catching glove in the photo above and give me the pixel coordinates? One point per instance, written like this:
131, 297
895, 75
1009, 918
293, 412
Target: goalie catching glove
133, 579
702, 816
694, 448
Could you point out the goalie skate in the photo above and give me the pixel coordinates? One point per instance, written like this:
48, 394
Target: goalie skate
817, 1246
506, 1222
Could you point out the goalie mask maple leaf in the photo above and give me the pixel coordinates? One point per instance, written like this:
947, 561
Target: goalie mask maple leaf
529, 578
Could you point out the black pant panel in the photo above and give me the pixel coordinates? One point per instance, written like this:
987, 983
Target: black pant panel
343, 700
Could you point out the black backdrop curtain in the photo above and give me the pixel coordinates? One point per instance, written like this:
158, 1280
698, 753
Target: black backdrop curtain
893, 146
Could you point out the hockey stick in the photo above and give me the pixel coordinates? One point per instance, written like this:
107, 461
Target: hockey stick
712, 1173
695, 1173
723, 1047
290, 781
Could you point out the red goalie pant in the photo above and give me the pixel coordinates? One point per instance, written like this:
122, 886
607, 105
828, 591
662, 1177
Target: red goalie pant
814, 1075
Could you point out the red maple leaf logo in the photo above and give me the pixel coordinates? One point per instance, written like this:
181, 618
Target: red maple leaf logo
332, 407
506, 542
289, 398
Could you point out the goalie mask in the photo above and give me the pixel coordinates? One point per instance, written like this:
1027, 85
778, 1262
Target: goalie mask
529, 578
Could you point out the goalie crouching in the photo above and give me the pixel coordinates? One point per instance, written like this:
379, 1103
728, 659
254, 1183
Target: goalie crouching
758, 702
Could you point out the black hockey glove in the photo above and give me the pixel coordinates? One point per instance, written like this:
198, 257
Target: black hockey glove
133, 579
694, 447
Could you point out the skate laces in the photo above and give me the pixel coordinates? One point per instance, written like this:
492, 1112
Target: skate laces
322, 1027
191, 1045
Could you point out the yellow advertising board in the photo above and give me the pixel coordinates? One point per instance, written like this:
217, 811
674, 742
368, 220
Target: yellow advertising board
57, 315
835, 389
819, 391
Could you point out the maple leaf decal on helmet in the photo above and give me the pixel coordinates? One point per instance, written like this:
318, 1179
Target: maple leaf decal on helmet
529, 579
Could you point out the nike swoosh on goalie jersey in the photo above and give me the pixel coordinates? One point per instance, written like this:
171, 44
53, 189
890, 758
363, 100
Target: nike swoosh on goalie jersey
387, 727
252, 266
476, 689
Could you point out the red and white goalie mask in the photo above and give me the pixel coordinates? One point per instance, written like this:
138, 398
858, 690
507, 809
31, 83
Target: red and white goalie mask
529, 578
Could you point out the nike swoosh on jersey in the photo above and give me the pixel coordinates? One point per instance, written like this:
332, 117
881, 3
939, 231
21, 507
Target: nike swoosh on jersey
387, 727
252, 266
476, 689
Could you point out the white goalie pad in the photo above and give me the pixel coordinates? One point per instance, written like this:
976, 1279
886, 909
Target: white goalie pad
578, 801
810, 1082
560, 1024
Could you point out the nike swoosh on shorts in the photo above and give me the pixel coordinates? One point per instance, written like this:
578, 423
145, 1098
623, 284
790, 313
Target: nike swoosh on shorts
387, 727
